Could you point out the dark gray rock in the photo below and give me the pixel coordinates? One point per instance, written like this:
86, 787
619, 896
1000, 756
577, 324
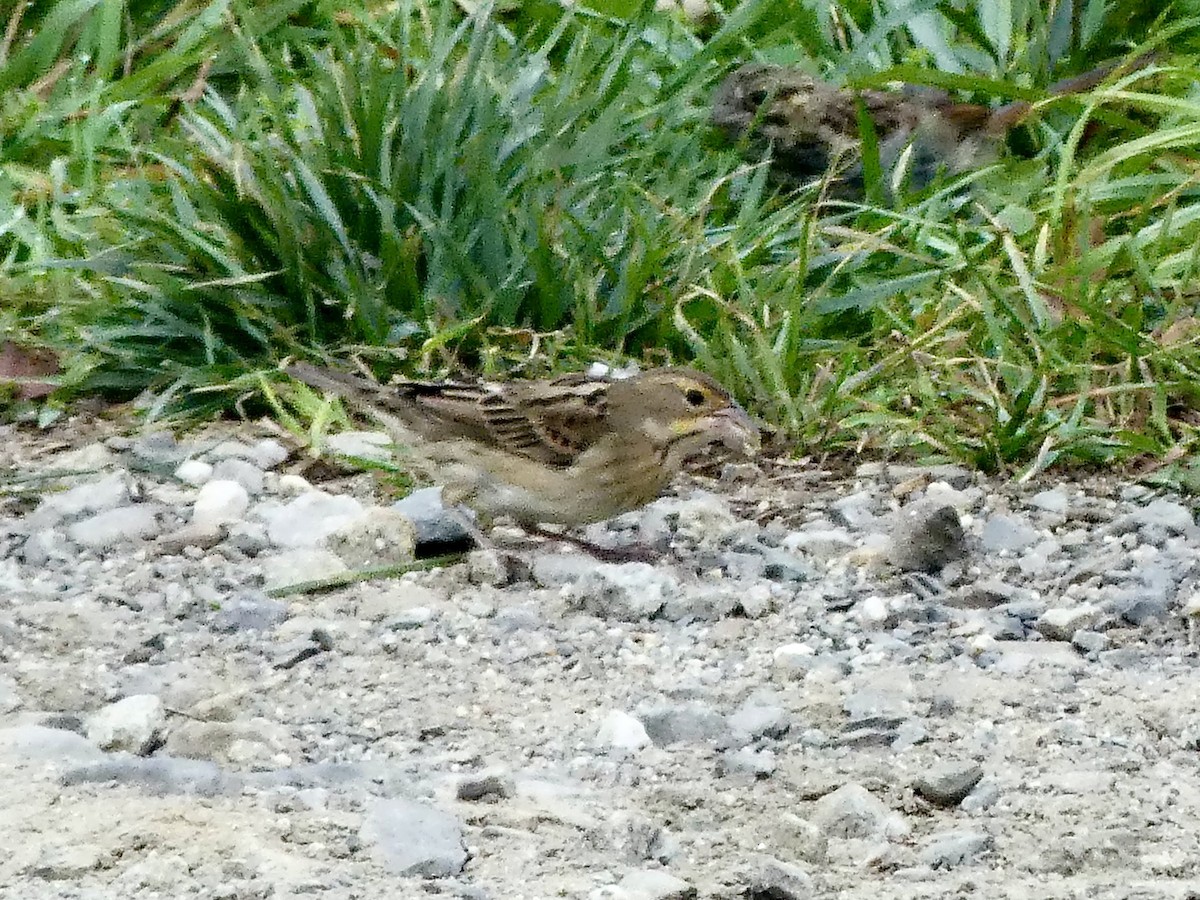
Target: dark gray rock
689, 723
490, 787
434, 523
925, 539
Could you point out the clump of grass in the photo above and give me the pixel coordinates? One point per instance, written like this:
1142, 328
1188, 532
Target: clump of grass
533, 186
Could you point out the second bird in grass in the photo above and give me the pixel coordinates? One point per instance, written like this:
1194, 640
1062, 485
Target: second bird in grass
564, 451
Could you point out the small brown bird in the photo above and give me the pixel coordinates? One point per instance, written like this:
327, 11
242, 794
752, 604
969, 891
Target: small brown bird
813, 125
566, 451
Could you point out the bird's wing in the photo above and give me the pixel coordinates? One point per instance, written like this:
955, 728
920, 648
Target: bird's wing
548, 421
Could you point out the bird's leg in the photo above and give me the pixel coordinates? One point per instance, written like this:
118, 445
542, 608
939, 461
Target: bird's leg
637, 553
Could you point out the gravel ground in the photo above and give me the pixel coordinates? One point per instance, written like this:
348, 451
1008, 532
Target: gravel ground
891, 682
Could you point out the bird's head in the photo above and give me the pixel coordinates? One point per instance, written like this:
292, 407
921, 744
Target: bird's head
682, 412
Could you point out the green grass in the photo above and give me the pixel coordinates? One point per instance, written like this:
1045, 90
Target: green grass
191, 192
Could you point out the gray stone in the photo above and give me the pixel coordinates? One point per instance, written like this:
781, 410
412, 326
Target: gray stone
705, 519
310, 518
625, 592
42, 744
248, 612
751, 722
800, 839
68, 863
621, 731
411, 838
951, 849
219, 503
132, 724
829, 543
379, 537
856, 511
686, 723
1089, 642
157, 775
203, 537
94, 497
159, 449
926, 538
1054, 500
116, 526
703, 603
241, 744
635, 838
268, 453
780, 565
435, 524
1008, 533
296, 566
772, 879
1158, 519
854, 812
946, 785
557, 569
45, 545
488, 786
248, 537
747, 761
1061, 623
242, 471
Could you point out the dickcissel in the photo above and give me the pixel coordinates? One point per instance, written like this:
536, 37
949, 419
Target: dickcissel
564, 451
813, 125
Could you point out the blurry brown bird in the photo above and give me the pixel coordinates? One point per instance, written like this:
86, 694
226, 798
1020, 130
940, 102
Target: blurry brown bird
565, 451
813, 125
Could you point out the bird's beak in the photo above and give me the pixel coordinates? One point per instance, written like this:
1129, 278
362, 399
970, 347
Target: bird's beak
736, 431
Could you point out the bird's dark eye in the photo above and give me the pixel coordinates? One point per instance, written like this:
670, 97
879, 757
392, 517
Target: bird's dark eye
695, 397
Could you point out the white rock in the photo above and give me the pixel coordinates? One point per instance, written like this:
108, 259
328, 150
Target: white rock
194, 472
294, 485
295, 566
621, 731
310, 518
854, 812
245, 473
121, 524
873, 612
1053, 501
128, 724
370, 445
647, 884
381, 536
96, 496
792, 660
220, 502
268, 453
626, 592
